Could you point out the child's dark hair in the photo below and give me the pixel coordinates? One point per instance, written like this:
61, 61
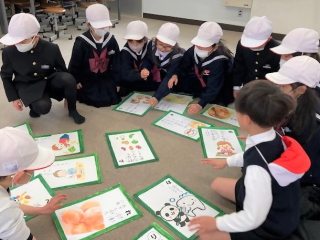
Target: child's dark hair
304, 118
224, 49
312, 55
264, 103
2, 178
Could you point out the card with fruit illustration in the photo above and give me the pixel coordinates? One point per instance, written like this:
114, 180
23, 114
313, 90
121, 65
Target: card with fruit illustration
181, 125
175, 205
154, 232
174, 102
136, 103
221, 114
130, 148
35, 193
96, 214
220, 142
62, 143
25, 127
72, 172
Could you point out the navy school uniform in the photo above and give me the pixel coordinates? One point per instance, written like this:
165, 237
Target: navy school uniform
162, 70
206, 78
131, 64
96, 67
251, 65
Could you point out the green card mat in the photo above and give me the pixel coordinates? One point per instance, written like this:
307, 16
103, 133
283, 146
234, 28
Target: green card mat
72, 172
130, 148
175, 205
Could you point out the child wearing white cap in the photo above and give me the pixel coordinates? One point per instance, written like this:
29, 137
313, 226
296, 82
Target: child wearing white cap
163, 59
253, 59
34, 71
298, 77
95, 60
19, 157
204, 68
132, 55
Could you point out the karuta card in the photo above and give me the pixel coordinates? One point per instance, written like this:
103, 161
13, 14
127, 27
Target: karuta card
36, 193
154, 232
175, 205
222, 114
72, 172
174, 102
181, 125
25, 127
96, 214
130, 148
136, 103
62, 143
220, 142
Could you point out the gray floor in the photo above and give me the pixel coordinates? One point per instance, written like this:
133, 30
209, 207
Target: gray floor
178, 156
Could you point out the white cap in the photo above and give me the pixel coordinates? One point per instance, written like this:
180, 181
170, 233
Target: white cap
19, 152
302, 69
209, 33
21, 26
169, 33
298, 40
256, 32
98, 16
136, 30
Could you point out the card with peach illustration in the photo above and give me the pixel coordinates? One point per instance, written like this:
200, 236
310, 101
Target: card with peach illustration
136, 103
130, 148
96, 214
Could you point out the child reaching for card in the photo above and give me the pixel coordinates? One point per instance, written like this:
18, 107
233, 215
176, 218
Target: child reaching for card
267, 194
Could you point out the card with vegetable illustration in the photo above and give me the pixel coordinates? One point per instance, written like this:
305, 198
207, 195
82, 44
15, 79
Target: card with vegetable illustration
72, 172
62, 143
96, 214
130, 148
36, 193
154, 232
136, 103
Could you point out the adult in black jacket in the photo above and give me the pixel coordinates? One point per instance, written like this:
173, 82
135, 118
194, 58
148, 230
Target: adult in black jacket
38, 68
253, 59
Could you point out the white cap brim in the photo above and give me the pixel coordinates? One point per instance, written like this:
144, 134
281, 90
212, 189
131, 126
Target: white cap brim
101, 24
279, 79
252, 43
280, 50
201, 43
166, 40
133, 37
44, 159
8, 40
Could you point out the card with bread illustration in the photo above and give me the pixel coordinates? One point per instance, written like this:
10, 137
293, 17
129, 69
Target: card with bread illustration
72, 172
174, 102
136, 103
220, 142
96, 214
222, 114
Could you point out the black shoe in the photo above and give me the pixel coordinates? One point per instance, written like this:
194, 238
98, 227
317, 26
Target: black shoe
77, 118
34, 114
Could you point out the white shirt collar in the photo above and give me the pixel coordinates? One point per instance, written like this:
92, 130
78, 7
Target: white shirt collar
259, 138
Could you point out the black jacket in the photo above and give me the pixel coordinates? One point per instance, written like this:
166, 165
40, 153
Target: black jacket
30, 71
250, 65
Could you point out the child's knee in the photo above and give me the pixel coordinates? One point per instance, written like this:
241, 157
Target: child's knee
216, 184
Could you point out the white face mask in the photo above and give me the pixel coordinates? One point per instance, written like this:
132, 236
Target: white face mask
25, 47
162, 55
136, 49
282, 62
201, 53
101, 31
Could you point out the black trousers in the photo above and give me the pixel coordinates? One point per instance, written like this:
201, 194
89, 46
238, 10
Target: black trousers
62, 84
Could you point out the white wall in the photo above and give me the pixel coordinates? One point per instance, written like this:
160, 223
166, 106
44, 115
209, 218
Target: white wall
203, 10
289, 14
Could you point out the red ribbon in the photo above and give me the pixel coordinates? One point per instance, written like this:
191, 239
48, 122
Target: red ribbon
99, 62
200, 76
156, 73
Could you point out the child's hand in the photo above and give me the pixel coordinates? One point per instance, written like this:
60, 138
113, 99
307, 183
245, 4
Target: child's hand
173, 80
79, 85
153, 102
54, 204
204, 225
217, 163
144, 73
194, 108
18, 105
242, 137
